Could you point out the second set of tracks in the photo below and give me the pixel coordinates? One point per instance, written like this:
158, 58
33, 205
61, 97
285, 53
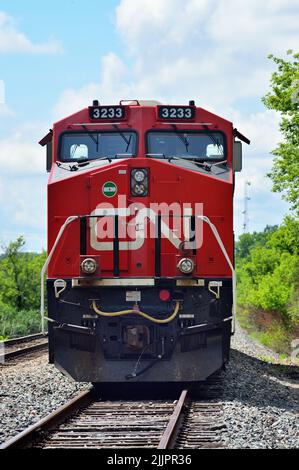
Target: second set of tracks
15, 348
87, 422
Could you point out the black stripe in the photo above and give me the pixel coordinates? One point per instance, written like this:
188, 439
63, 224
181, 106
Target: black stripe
193, 231
158, 246
83, 239
116, 248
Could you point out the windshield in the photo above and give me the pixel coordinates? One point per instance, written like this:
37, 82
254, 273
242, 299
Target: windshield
93, 145
187, 144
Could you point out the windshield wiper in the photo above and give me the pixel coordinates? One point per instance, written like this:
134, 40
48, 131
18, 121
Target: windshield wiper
206, 165
95, 140
127, 141
181, 137
91, 159
69, 167
213, 138
190, 158
80, 163
193, 159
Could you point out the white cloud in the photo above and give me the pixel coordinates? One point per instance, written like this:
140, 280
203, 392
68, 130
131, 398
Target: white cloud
20, 153
262, 128
14, 41
20, 157
23, 186
23, 199
2, 92
35, 242
260, 214
5, 111
23, 209
264, 25
212, 51
111, 88
22, 193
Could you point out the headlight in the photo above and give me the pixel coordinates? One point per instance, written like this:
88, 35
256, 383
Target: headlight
89, 266
139, 182
139, 176
186, 266
139, 189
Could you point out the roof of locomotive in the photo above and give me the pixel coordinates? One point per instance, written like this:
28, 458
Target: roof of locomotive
83, 116
136, 104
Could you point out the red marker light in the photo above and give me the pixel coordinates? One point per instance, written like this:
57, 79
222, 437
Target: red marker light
164, 295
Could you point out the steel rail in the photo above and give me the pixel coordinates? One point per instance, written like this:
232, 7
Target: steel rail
23, 351
168, 437
86, 422
23, 339
35, 431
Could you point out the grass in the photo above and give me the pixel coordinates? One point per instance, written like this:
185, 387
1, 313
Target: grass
275, 336
15, 323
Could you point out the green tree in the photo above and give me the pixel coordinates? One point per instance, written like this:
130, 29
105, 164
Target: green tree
11, 274
284, 98
287, 237
247, 241
20, 276
268, 276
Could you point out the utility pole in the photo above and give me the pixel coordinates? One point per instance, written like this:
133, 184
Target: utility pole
246, 210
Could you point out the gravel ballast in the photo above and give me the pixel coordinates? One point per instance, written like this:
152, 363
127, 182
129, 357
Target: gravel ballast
261, 400
30, 390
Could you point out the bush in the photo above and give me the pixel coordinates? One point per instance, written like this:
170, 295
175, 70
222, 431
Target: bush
267, 267
274, 289
19, 290
20, 276
18, 323
268, 276
276, 338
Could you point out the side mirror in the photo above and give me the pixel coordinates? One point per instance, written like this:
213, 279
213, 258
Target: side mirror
237, 157
48, 141
49, 156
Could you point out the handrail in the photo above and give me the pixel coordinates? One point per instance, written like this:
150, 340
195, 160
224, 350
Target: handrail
68, 221
76, 217
234, 279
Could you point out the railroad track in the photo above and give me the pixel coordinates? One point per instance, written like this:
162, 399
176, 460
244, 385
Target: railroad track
16, 347
87, 422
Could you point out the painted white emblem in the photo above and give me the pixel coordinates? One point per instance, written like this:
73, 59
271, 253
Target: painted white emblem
137, 223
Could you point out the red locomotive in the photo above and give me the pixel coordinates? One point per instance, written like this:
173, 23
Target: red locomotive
141, 283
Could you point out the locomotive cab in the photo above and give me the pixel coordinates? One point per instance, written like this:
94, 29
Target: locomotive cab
140, 268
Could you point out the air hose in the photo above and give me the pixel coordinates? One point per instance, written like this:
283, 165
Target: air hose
134, 375
137, 312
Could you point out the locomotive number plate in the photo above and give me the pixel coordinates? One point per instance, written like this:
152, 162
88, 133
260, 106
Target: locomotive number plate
133, 296
107, 113
178, 113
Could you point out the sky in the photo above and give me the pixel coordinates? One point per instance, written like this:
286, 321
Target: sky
56, 57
